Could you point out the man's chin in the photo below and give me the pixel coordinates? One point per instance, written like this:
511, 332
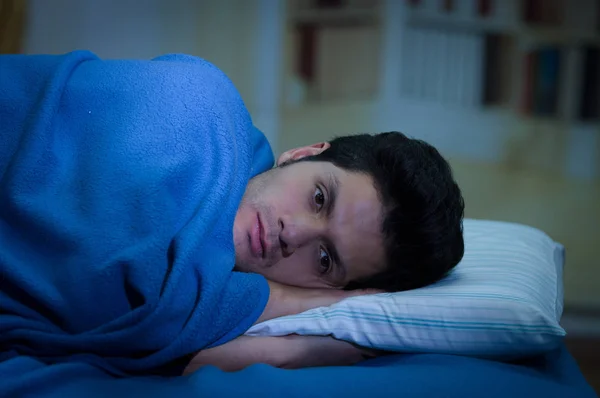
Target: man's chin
241, 266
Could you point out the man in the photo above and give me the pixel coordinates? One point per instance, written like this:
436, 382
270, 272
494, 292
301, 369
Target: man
129, 191
376, 212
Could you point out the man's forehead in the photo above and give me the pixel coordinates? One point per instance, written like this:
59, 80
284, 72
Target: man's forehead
362, 257
357, 222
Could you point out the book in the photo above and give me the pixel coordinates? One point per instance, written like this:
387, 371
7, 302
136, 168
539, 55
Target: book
306, 59
590, 96
547, 82
541, 81
498, 57
485, 7
543, 12
529, 67
347, 62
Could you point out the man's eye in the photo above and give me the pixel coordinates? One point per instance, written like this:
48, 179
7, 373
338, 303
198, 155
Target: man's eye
319, 198
324, 261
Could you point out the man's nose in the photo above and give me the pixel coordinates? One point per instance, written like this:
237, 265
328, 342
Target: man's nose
298, 231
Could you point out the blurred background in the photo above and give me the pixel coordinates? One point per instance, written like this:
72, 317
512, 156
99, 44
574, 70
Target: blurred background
508, 90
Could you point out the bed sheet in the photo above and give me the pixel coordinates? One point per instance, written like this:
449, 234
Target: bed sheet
553, 375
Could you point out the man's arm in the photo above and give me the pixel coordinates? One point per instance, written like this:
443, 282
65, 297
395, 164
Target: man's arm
288, 352
288, 300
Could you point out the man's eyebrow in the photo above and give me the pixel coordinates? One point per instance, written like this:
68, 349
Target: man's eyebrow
333, 185
340, 268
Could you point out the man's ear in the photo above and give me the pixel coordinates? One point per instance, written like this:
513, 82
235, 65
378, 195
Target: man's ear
302, 152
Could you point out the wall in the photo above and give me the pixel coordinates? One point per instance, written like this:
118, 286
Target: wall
222, 31
134, 29
110, 28
565, 208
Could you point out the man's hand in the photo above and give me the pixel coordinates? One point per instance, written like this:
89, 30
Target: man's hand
288, 300
289, 352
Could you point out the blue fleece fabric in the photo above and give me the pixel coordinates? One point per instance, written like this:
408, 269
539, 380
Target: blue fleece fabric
119, 184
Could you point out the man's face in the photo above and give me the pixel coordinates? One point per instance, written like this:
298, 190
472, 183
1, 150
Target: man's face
309, 224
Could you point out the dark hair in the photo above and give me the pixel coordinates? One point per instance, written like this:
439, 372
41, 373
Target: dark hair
423, 206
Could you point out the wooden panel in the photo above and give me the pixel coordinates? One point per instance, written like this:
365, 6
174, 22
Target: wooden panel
12, 25
586, 351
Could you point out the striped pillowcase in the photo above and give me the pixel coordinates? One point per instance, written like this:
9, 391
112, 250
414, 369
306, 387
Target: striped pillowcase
504, 299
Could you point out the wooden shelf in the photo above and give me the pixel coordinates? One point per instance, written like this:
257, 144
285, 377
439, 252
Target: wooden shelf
534, 33
458, 23
558, 36
333, 17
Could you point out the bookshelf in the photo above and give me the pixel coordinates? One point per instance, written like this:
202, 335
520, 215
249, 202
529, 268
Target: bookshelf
534, 59
328, 34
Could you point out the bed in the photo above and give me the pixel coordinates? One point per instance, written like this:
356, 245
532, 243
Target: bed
553, 374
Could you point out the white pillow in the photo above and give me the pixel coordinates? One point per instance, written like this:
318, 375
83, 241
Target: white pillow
504, 299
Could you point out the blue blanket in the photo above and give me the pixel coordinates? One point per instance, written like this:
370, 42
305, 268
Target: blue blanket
119, 184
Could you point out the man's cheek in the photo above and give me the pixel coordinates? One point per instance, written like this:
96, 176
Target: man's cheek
301, 265
294, 200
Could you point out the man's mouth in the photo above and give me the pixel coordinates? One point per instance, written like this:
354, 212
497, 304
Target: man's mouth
258, 242
264, 242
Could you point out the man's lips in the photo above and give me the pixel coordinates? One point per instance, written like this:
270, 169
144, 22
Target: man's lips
264, 242
257, 238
